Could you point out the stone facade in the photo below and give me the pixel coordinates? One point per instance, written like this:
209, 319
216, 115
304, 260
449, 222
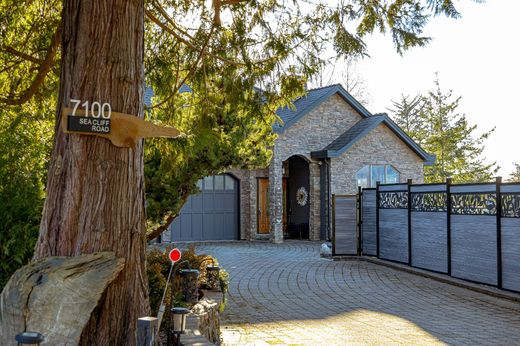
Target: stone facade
313, 132
380, 146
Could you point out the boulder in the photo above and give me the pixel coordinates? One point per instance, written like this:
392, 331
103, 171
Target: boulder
55, 296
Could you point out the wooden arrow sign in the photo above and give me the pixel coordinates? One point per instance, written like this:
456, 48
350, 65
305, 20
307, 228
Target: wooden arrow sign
123, 130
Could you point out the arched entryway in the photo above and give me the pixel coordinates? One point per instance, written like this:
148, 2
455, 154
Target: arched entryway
297, 198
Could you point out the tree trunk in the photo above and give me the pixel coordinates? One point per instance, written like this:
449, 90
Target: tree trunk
95, 191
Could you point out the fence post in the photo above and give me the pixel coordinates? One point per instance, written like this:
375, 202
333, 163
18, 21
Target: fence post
448, 223
377, 219
409, 183
499, 231
333, 224
360, 220
146, 331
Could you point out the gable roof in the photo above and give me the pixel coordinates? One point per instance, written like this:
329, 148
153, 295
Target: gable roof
343, 142
311, 100
360, 129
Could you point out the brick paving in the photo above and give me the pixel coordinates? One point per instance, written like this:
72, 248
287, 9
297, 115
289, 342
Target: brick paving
287, 295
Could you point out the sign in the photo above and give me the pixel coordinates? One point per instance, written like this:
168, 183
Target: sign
175, 255
86, 124
123, 130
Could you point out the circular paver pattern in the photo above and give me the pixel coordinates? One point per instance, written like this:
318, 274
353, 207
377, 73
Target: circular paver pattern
285, 294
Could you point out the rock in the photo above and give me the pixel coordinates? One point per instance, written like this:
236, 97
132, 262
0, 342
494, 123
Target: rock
55, 296
326, 250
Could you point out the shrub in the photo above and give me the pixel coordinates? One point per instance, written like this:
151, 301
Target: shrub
158, 267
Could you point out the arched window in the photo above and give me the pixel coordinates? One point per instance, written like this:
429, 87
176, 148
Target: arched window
370, 174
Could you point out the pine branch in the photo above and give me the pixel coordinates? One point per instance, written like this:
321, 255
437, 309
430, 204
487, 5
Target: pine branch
43, 70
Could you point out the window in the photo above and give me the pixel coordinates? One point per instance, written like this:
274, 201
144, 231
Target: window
370, 174
219, 182
208, 183
230, 183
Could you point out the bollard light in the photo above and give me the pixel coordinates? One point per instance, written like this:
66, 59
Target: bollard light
179, 323
189, 278
179, 319
212, 277
29, 338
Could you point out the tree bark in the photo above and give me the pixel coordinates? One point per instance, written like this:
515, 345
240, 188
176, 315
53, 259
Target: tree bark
95, 191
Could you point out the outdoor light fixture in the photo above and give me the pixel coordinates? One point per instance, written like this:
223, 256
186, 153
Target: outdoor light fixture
179, 323
212, 277
29, 338
189, 280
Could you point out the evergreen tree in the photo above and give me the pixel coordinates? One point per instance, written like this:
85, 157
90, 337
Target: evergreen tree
407, 114
434, 121
514, 176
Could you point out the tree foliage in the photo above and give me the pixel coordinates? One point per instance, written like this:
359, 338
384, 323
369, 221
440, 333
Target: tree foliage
514, 176
224, 50
433, 120
24, 148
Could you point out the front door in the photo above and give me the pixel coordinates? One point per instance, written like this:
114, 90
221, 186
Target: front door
263, 206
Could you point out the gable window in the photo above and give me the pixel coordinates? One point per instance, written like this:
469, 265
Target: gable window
370, 174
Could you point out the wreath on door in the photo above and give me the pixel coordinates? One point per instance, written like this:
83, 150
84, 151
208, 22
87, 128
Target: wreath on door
301, 196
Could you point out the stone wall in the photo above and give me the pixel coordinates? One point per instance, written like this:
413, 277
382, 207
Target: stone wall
248, 201
317, 129
380, 146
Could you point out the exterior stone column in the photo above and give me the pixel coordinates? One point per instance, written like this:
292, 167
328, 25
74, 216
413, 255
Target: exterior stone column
314, 200
276, 198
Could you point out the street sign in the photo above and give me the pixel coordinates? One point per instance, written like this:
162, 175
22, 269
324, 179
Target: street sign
175, 255
123, 130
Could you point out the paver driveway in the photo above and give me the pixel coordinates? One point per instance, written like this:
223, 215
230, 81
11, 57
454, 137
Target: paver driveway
287, 295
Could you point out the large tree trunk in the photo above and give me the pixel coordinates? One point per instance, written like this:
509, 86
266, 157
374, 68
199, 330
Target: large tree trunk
95, 191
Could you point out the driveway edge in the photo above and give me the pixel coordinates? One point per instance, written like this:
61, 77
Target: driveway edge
481, 288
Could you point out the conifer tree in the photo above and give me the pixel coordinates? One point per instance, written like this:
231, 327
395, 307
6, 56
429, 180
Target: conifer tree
514, 176
441, 130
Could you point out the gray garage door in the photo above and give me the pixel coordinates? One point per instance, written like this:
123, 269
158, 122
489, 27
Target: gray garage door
210, 215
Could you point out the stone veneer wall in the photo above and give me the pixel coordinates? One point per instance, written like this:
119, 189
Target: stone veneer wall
380, 146
313, 132
248, 200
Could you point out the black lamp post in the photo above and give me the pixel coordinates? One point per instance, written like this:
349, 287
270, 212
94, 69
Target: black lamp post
189, 280
29, 338
212, 277
179, 323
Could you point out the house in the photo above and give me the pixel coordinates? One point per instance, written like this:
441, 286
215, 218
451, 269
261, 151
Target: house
329, 144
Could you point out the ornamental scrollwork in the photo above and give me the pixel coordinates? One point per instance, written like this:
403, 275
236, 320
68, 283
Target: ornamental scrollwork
511, 205
393, 200
474, 204
430, 201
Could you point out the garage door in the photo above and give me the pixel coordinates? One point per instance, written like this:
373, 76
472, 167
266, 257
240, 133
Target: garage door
210, 215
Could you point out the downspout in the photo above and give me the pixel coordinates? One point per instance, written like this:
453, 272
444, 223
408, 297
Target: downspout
329, 199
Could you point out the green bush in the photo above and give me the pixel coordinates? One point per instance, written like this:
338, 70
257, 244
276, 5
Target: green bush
158, 266
24, 151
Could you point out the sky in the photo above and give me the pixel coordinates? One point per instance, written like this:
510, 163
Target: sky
477, 56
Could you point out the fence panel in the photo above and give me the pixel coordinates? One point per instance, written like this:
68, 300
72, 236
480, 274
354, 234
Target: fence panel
511, 236
469, 231
429, 227
474, 233
393, 222
368, 225
345, 225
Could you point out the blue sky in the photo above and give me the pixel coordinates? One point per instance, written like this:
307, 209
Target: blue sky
478, 56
